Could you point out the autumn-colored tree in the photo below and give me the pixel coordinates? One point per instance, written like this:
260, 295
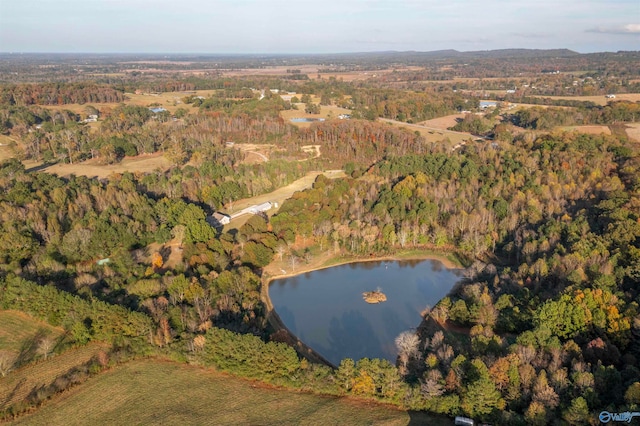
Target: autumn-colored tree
156, 260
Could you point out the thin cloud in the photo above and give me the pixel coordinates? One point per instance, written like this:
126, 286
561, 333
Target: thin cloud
623, 29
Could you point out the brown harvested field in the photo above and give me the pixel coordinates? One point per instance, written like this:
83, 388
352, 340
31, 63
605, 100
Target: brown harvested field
162, 392
80, 108
91, 168
590, 130
599, 99
633, 131
17, 385
311, 71
432, 134
443, 122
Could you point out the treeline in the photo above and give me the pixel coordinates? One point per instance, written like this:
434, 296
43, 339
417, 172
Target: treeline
58, 94
83, 320
547, 118
411, 107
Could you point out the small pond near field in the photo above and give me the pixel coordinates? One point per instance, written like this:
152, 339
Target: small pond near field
325, 308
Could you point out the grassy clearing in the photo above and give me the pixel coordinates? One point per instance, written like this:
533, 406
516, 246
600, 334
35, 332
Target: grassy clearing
18, 329
20, 383
432, 134
157, 392
90, 168
598, 99
590, 130
633, 131
327, 112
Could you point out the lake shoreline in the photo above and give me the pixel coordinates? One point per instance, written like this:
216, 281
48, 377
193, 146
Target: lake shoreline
268, 276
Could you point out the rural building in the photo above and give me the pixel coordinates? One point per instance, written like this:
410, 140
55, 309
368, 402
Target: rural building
255, 209
157, 110
258, 208
218, 219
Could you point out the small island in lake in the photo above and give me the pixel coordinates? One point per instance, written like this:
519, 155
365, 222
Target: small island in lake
375, 296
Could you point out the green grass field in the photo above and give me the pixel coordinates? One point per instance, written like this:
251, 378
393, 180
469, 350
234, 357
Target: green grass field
162, 392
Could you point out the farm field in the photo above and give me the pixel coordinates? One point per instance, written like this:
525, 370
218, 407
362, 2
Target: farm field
633, 131
90, 168
598, 99
443, 123
17, 329
591, 130
433, 134
162, 392
17, 385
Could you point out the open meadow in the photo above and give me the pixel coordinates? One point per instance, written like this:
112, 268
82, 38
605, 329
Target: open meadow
20, 335
162, 392
598, 99
91, 168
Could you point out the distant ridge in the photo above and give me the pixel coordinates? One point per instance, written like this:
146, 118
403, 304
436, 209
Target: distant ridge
451, 53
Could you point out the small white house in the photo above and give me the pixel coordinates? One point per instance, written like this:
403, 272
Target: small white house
220, 219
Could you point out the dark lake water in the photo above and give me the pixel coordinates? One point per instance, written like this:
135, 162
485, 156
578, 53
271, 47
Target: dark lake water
326, 311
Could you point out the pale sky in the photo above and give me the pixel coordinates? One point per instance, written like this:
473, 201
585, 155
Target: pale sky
324, 26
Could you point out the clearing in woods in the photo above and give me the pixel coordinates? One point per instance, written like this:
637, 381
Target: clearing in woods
145, 163
433, 134
277, 196
590, 130
153, 392
633, 131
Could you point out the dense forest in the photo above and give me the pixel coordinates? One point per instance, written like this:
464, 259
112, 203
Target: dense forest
544, 328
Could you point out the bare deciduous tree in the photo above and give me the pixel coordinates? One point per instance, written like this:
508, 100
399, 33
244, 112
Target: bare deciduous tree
407, 345
6, 363
45, 346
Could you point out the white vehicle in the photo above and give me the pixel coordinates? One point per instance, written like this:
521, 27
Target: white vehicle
463, 421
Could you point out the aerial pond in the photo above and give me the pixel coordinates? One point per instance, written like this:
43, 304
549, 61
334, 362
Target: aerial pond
325, 308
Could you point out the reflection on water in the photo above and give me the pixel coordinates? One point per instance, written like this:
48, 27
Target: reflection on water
325, 308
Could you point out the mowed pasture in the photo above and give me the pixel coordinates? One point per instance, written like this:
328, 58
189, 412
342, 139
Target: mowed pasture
163, 392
